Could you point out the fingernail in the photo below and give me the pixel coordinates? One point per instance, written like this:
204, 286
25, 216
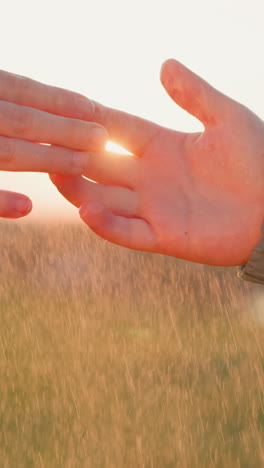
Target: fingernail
80, 160
23, 206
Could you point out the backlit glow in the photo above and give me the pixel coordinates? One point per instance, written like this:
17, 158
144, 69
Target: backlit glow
114, 148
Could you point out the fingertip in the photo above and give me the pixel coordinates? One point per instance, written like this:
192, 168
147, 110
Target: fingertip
166, 69
15, 206
84, 107
23, 206
100, 220
100, 136
168, 62
59, 179
52, 177
90, 210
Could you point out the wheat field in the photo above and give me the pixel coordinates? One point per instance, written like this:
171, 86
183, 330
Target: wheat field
113, 358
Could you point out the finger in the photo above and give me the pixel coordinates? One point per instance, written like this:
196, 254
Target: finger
14, 205
134, 233
27, 92
192, 93
112, 169
77, 190
130, 131
20, 155
35, 125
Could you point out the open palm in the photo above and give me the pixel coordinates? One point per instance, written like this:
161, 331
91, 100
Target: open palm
196, 196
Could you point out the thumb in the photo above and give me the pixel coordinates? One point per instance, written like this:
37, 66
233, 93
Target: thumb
192, 93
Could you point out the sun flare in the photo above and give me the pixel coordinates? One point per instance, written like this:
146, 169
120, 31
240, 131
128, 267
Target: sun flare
114, 148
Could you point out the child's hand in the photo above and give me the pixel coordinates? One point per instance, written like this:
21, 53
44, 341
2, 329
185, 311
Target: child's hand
31, 112
197, 196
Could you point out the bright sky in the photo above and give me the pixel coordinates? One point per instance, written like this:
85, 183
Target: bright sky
112, 50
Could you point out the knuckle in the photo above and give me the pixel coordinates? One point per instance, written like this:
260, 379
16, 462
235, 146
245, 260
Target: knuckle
7, 150
66, 103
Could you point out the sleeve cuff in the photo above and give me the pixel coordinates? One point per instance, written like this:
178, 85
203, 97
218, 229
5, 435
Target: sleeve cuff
253, 271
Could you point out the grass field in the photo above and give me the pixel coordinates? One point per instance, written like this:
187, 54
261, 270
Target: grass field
112, 358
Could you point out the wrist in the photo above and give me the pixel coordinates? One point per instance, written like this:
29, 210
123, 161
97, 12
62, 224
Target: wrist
253, 270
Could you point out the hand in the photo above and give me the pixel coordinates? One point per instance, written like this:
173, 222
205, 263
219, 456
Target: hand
199, 197
31, 112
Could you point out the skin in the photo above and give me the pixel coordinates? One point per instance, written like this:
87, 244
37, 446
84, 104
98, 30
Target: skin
31, 112
198, 197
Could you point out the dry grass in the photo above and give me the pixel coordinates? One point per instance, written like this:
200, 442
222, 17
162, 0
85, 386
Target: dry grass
111, 358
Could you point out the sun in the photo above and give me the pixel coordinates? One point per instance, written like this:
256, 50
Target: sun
114, 148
